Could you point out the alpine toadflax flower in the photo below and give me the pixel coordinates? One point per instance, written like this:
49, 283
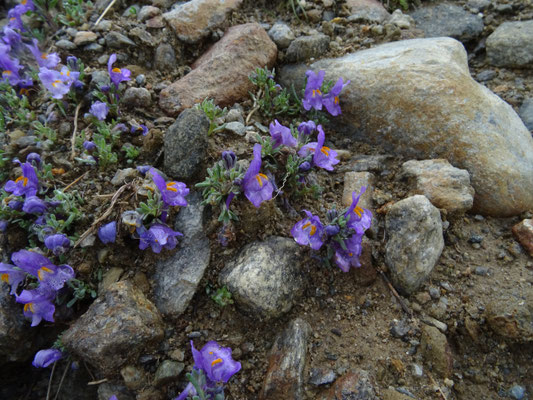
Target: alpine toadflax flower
51, 277
349, 257
281, 135
117, 75
359, 219
256, 186
158, 236
44, 358
58, 243
108, 232
11, 275
306, 128
308, 231
25, 185
55, 82
172, 193
34, 205
215, 361
313, 95
38, 304
48, 60
99, 109
323, 156
331, 100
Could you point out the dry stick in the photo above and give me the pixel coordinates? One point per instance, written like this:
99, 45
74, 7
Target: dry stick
395, 293
73, 139
75, 181
50, 381
62, 379
97, 382
438, 386
105, 12
104, 215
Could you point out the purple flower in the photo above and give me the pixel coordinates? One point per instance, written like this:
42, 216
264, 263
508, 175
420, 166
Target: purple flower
313, 95
331, 100
143, 169
108, 232
113, 398
140, 127
44, 358
358, 218
305, 166
256, 186
323, 156
43, 59
15, 205
306, 128
349, 257
34, 159
10, 69
228, 159
120, 127
58, 243
71, 77
308, 231
11, 37
117, 75
172, 193
99, 109
11, 275
3, 225
25, 185
51, 277
281, 135
159, 236
34, 205
215, 361
89, 146
38, 304
332, 230
55, 82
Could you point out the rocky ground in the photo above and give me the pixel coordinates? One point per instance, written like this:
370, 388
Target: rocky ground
442, 307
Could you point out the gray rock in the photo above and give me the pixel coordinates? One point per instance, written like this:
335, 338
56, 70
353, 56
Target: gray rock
116, 40
510, 315
99, 78
448, 20
16, 335
141, 34
366, 11
526, 113
478, 5
123, 175
133, 376
116, 328
165, 57
140, 80
414, 229
399, 329
444, 185
320, 376
482, 271
177, 277
104, 25
168, 372
186, 144
517, 392
436, 351
265, 278
236, 127
65, 44
354, 182
306, 47
94, 47
137, 97
418, 371
401, 20
84, 37
464, 123
235, 115
510, 45
486, 75
147, 12
281, 34
285, 375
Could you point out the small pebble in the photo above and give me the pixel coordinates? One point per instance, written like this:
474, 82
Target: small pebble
140, 79
434, 293
482, 271
194, 335
417, 371
517, 392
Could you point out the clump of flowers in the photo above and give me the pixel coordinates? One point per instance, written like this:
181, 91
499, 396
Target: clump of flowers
213, 367
342, 235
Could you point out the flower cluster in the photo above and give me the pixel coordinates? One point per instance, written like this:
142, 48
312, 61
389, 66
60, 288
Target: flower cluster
314, 98
213, 367
342, 235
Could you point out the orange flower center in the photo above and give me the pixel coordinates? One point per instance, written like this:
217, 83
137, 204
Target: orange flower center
325, 150
359, 211
259, 178
117, 70
170, 186
315, 91
215, 362
28, 306
7, 72
5, 278
55, 83
23, 179
42, 270
44, 56
313, 228
336, 100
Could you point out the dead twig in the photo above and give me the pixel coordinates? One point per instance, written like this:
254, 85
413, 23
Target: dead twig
73, 138
97, 382
50, 381
104, 215
105, 12
62, 379
395, 293
79, 178
437, 385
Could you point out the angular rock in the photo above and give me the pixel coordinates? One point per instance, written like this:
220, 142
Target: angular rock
448, 20
436, 351
285, 375
355, 385
116, 40
305, 47
523, 232
116, 328
137, 97
186, 144
353, 182
320, 376
236, 127
106, 390
177, 277
367, 11
195, 19
510, 45
281, 34
426, 105
168, 372
165, 57
511, 316
241, 50
444, 185
16, 335
526, 113
265, 278
84, 37
415, 242
401, 20
134, 377
148, 12
65, 44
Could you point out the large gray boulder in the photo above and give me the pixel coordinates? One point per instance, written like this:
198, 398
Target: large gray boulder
417, 98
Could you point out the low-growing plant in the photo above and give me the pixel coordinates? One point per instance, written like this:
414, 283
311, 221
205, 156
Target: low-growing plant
212, 112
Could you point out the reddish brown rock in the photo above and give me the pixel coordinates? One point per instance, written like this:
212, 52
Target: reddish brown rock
524, 234
222, 73
194, 20
436, 351
353, 385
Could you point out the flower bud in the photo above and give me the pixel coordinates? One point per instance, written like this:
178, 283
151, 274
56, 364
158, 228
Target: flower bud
228, 159
332, 214
305, 166
332, 230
